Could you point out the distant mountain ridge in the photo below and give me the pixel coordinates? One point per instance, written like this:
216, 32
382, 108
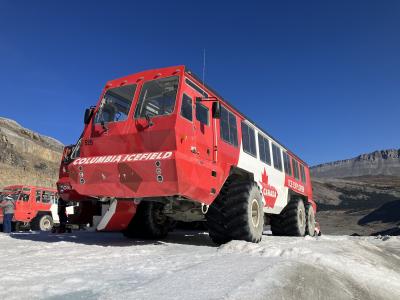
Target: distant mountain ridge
27, 157
359, 195
383, 162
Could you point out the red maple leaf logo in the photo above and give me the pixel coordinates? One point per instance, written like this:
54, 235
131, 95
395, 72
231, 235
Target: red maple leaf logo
269, 192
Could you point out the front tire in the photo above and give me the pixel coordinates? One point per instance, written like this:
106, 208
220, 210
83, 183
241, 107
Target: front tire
245, 212
237, 213
216, 219
43, 223
149, 222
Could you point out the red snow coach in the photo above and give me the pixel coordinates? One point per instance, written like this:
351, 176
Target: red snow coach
160, 146
35, 207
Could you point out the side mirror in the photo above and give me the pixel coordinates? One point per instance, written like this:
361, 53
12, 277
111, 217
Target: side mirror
88, 115
216, 110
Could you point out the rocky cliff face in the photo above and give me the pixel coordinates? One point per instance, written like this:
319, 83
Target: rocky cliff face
359, 195
384, 162
27, 157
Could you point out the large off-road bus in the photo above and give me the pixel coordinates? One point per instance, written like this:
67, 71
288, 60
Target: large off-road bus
161, 146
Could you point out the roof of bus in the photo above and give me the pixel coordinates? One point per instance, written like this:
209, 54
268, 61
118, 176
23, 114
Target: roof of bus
199, 81
211, 90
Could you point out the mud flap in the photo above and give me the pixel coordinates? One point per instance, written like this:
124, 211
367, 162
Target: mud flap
118, 216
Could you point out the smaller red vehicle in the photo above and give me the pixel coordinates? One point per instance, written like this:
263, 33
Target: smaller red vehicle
35, 208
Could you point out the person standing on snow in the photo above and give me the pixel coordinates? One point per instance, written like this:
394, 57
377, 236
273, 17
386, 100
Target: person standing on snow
8, 206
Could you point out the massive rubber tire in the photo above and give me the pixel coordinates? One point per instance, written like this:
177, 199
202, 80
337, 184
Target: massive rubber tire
294, 219
42, 223
216, 219
237, 213
291, 221
244, 212
310, 220
149, 222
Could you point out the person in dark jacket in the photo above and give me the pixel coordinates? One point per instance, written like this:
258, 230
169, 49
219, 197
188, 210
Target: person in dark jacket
62, 214
8, 206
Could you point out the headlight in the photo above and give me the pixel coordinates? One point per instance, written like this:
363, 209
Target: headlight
63, 187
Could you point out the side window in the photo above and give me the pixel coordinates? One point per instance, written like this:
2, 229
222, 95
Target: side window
202, 113
46, 197
286, 162
52, 197
303, 174
263, 148
248, 140
38, 195
186, 107
295, 169
276, 152
228, 127
196, 88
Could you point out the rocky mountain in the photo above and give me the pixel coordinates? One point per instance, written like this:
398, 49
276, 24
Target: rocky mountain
26, 157
359, 195
384, 162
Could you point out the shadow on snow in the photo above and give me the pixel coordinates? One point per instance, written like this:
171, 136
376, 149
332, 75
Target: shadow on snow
106, 239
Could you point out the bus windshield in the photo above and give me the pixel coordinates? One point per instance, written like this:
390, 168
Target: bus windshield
115, 105
157, 97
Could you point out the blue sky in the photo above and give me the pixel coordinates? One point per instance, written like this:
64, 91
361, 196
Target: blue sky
321, 76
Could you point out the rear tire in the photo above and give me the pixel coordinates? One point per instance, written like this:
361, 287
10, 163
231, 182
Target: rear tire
42, 223
310, 220
294, 219
291, 221
149, 222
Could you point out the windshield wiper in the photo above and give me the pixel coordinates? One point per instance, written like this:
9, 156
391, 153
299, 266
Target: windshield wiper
149, 121
104, 125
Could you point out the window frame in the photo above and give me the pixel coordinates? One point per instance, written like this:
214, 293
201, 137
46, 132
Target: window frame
249, 128
234, 143
99, 109
287, 156
208, 113
295, 164
279, 157
191, 105
195, 87
46, 197
38, 192
265, 142
302, 174
140, 92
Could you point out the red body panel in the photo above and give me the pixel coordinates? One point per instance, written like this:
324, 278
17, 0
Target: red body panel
123, 214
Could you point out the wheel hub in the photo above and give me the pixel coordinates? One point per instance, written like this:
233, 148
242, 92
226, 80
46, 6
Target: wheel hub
46, 225
255, 213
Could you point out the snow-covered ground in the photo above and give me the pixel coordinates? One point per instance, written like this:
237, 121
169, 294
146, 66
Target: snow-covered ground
88, 265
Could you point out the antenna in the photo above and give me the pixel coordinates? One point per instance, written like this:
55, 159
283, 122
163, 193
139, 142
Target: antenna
204, 68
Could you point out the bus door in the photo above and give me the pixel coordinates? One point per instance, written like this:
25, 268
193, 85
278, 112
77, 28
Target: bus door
203, 127
22, 206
